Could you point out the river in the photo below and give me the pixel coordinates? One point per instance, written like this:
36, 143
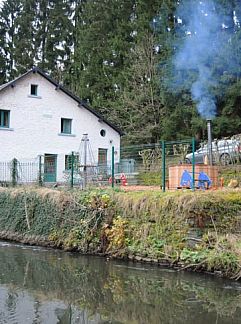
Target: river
40, 285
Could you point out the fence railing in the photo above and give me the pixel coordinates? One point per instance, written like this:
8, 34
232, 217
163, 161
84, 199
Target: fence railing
180, 164
45, 172
164, 165
15, 172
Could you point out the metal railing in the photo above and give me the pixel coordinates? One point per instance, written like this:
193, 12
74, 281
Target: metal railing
16, 172
157, 166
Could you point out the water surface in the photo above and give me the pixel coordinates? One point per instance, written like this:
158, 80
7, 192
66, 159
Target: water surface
47, 286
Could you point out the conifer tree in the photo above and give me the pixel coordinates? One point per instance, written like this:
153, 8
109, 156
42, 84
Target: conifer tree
118, 56
25, 39
9, 27
54, 36
104, 41
142, 105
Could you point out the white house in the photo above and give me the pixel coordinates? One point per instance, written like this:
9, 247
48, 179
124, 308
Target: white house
39, 117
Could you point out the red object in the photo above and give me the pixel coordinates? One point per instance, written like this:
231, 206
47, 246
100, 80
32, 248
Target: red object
123, 179
238, 148
110, 180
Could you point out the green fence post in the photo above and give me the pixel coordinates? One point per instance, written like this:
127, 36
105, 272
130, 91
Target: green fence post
72, 170
193, 164
14, 172
113, 167
40, 180
163, 166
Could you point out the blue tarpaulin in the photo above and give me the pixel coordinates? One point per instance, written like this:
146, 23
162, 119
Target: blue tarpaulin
204, 182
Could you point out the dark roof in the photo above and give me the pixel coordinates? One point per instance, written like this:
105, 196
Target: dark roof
66, 91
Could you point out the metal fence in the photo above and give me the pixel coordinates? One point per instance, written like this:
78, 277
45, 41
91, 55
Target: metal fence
82, 175
148, 165
159, 166
15, 172
140, 165
179, 165
42, 171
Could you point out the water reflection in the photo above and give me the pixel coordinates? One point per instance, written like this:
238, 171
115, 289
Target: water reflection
45, 286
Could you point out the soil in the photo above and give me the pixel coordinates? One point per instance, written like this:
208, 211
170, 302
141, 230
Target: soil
141, 188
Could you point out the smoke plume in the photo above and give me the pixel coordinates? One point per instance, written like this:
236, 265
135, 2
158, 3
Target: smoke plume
205, 36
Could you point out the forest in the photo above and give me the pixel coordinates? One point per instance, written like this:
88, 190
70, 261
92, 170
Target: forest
120, 56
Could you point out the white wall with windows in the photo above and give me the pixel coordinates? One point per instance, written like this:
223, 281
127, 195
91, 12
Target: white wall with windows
36, 118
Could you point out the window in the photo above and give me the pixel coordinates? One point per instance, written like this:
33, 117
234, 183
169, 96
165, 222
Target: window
66, 126
102, 161
68, 162
102, 156
34, 90
4, 118
103, 133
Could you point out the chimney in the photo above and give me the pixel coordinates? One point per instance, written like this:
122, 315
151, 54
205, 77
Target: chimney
209, 127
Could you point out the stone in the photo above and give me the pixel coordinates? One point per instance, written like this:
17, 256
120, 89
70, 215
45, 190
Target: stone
233, 183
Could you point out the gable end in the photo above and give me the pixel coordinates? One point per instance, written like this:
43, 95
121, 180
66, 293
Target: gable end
66, 91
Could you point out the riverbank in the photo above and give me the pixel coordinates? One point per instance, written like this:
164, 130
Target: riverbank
198, 231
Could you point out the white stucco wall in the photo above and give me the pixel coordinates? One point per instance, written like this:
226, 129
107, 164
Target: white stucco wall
35, 124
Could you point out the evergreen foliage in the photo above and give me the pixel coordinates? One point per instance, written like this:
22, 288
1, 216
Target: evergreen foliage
118, 56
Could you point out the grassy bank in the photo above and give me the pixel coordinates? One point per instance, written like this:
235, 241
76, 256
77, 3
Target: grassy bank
199, 231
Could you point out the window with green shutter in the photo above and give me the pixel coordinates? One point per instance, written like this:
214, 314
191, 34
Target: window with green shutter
4, 118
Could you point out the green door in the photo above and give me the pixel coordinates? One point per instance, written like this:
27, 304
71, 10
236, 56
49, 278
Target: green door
50, 167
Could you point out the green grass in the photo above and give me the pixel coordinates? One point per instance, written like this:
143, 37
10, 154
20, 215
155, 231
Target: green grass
199, 230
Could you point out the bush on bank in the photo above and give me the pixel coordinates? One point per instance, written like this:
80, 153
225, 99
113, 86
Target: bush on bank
191, 230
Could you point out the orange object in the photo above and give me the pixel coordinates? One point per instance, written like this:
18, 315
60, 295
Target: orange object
176, 171
221, 182
123, 179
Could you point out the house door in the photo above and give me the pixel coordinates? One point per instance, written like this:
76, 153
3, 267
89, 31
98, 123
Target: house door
50, 167
102, 159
